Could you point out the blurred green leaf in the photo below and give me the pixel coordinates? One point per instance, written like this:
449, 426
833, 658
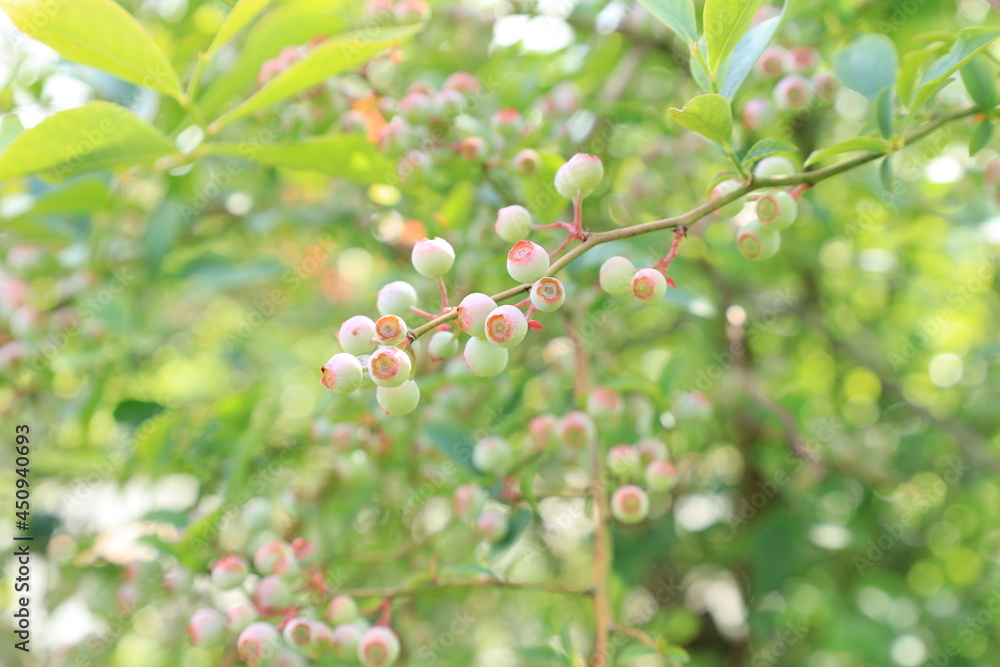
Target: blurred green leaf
725, 23
979, 77
970, 41
10, 127
132, 412
847, 146
453, 443
980, 137
885, 105
868, 65
764, 148
678, 15
708, 115
244, 12
747, 51
912, 69
519, 520
885, 173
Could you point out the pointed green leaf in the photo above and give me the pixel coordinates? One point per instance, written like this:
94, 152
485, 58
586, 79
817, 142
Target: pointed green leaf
885, 173
698, 71
726, 21
99, 33
979, 77
884, 109
708, 115
518, 522
912, 69
980, 137
331, 57
239, 16
764, 148
10, 127
854, 144
97, 135
868, 65
678, 15
746, 53
635, 651
970, 41
455, 444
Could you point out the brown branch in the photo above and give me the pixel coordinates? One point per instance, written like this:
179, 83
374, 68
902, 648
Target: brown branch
417, 589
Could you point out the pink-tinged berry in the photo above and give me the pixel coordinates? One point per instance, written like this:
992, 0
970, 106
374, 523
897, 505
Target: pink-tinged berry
399, 401
577, 429
757, 113
256, 516
624, 462
389, 367
442, 345
287, 657
342, 609
395, 137
492, 455
629, 504
396, 297
508, 122
792, 92
342, 373
825, 86
390, 330
379, 10
356, 334
207, 628
304, 550
229, 572
605, 403
321, 641
415, 107
239, 616
542, 429
651, 449
467, 499
275, 557
298, 631
513, 223
579, 176
346, 638
800, 60
527, 262
352, 122
432, 257
484, 358
492, 525
258, 643
616, 275
462, 82
473, 149
472, 313
771, 62
649, 285
774, 166
548, 294
506, 326
777, 209
272, 594
991, 172
661, 476
378, 646
755, 241
724, 189
447, 104
528, 161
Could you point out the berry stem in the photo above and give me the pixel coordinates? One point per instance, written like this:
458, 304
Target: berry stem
555, 225
799, 190
679, 234
444, 294
423, 313
577, 216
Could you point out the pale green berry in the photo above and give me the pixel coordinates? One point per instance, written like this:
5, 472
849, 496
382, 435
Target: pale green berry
443, 344
528, 161
230, 571
492, 455
605, 403
390, 329
506, 326
616, 275
345, 640
484, 358
396, 297
651, 449
630, 504
513, 223
356, 334
389, 367
492, 524
432, 257
468, 499
577, 429
777, 209
342, 373
272, 593
755, 241
239, 616
661, 476
207, 628
298, 631
579, 176
624, 463
342, 609
472, 312
649, 285
527, 262
257, 643
723, 189
773, 166
547, 294
398, 401
379, 646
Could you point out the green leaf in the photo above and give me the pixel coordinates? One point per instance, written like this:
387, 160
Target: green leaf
725, 23
698, 71
885, 173
454, 443
132, 412
764, 148
77, 195
635, 651
99, 33
457, 209
911, 70
518, 522
333, 56
540, 195
542, 654
708, 115
97, 135
677, 654
746, 53
979, 78
854, 144
678, 15
884, 109
239, 16
868, 65
970, 42
348, 156
980, 137
10, 127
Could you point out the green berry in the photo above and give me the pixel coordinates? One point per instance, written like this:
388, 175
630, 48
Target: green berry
527, 262
400, 400
773, 166
484, 358
649, 285
616, 275
547, 294
777, 209
723, 189
513, 223
389, 367
755, 241
472, 313
630, 504
356, 334
432, 257
492, 455
443, 344
506, 326
390, 329
579, 176
396, 297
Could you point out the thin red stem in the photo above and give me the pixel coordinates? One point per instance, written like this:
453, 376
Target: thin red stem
423, 313
664, 263
555, 225
444, 294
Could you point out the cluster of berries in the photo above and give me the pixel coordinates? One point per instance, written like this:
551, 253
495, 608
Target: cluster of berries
268, 628
796, 84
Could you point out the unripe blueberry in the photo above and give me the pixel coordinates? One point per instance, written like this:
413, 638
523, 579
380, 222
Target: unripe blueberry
771, 61
527, 262
379, 9
527, 162
239, 616
492, 455
342, 373
467, 500
756, 241
345, 641
378, 646
513, 223
390, 329
651, 449
304, 550
724, 189
389, 367
473, 149
661, 476
287, 657
777, 209
991, 172
581, 174
792, 92
356, 334
321, 640
398, 401
506, 326
542, 429
415, 107
800, 60
462, 82
257, 643
825, 85
432, 257
548, 294
577, 429
623, 461
484, 358
229, 572
629, 504
396, 297
395, 137
472, 313
298, 631
649, 285
773, 166
492, 525
274, 557
605, 403
352, 121
447, 104
443, 344
272, 593
757, 113
256, 513
207, 628
508, 122
342, 609
616, 275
